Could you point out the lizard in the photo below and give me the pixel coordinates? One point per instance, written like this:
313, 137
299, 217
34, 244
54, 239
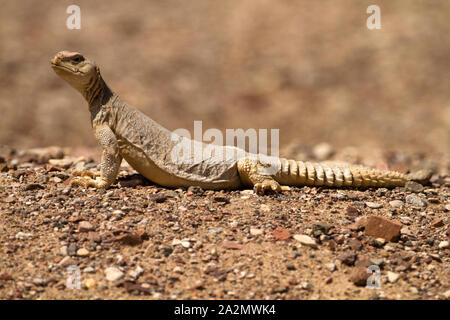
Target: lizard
124, 132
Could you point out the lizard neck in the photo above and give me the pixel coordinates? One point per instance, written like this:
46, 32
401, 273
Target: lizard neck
97, 93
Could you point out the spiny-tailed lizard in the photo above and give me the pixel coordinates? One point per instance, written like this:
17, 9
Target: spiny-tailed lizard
124, 132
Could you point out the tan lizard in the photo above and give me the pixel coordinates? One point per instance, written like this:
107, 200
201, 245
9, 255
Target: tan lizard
124, 132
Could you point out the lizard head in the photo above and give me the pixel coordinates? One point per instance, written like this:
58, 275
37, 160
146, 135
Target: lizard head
75, 69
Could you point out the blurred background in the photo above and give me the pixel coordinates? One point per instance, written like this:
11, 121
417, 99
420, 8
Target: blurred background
309, 68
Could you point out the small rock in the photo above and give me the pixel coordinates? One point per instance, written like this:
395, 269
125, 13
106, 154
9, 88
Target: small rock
158, 197
437, 223
185, 244
352, 211
63, 250
94, 236
330, 266
416, 200
414, 290
85, 226
321, 227
447, 207
23, 235
305, 240
413, 186
359, 276
355, 244
322, 151
82, 252
380, 227
397, 204
66, 261
392, 276
130, 238
232, 245
256, 232
33, 186
62, 163
421, 176
281, 234
90, 283
373, 205
72, 249
113, 274
379, 242
136, 273
347, 258
443, 245
88, 270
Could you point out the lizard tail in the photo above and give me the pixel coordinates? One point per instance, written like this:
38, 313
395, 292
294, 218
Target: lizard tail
299, 173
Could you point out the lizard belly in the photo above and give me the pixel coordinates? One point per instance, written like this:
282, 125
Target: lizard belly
143, 164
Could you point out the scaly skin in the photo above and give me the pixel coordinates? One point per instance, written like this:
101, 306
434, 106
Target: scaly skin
124, 132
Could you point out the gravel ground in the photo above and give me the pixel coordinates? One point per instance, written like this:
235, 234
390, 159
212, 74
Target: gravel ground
141, 241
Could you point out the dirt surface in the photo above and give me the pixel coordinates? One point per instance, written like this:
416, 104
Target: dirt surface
137, 240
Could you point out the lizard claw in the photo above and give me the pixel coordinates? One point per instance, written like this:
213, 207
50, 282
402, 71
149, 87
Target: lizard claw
86, 173
267, 185
86, 182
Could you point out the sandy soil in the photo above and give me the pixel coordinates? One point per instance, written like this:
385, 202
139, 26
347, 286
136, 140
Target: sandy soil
138, 240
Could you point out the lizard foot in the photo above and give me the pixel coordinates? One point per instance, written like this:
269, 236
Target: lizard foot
267, 185
86, 182
86, 173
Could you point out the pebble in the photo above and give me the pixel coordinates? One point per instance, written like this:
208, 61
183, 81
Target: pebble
413, 186
23, 235
185, 244
136, 273
66, 261
322, 227
359, 276
414, 290
347, 258
90, 283
416, 200
281, 234
322, 151
392, 276
88, 270
352, 211
85, 226
63, 250
373, 205
256, 232
443, 245
72, 249
305, 240
397, 204
380, 227
62, 163
447, 207
330, 266
113, 274
437, 223
82, 252
379, 242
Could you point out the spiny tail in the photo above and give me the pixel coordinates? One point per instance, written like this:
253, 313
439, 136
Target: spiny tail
299, 173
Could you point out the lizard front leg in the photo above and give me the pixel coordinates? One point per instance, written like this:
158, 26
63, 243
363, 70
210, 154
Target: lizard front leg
251, 173
110, 162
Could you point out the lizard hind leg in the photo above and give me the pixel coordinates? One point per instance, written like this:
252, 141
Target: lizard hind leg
251, 174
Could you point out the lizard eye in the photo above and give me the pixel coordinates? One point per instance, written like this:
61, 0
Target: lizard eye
77, 59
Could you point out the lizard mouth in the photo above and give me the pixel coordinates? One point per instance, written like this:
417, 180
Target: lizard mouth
57, 66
